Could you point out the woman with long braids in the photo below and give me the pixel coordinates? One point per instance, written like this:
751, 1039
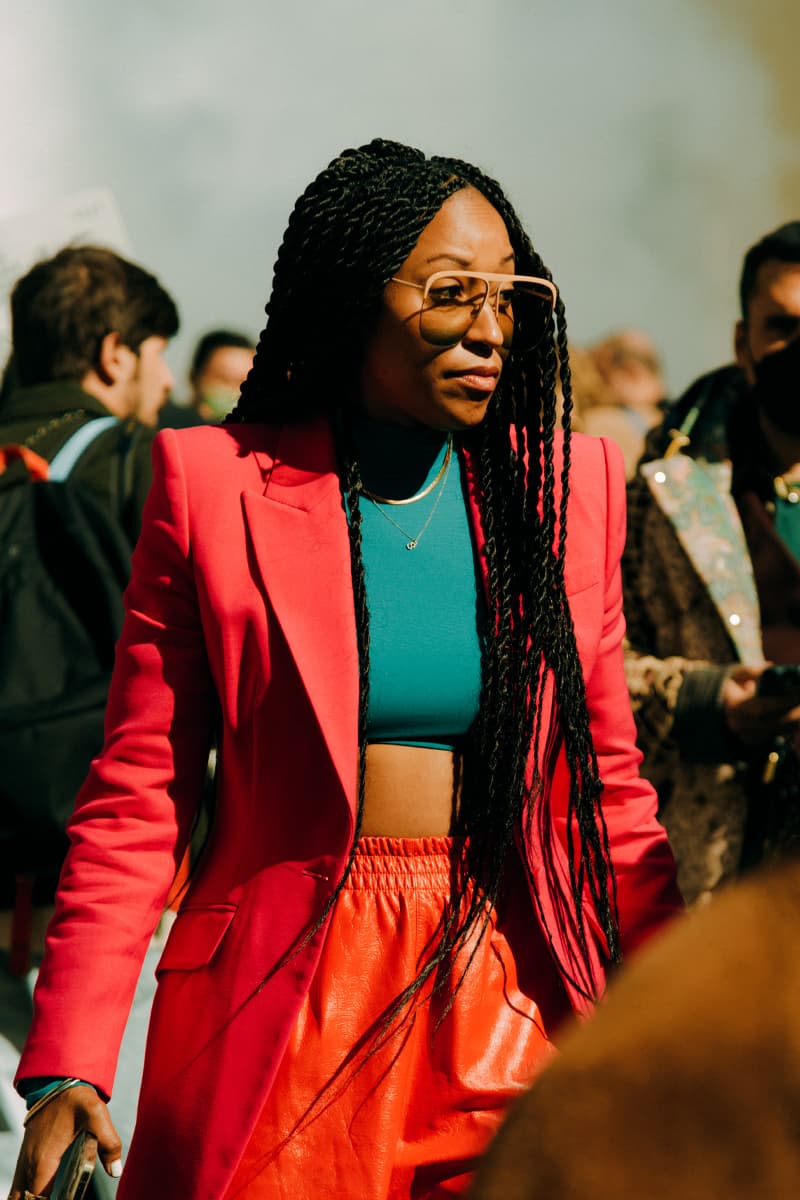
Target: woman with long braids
389, 587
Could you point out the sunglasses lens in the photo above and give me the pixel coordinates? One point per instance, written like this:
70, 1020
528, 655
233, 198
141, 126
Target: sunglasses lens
525, 314
454, 302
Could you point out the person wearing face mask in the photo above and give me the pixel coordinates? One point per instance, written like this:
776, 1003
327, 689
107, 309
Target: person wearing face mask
220, 364
711, 575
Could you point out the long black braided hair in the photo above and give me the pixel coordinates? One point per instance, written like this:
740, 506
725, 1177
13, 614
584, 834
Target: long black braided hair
350, 231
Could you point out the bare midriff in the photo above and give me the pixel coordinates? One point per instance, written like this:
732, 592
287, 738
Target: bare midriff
410, 791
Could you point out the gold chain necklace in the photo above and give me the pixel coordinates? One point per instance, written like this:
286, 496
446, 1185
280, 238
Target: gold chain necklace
785, 490
413, 542
426, 491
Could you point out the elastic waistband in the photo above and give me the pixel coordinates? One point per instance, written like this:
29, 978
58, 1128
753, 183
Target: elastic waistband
381, 863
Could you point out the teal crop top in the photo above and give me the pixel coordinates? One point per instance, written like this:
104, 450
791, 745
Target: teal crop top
426, 605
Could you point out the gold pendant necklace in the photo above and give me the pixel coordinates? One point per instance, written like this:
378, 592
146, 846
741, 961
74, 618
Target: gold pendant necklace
785, 490
413, 542
426, 491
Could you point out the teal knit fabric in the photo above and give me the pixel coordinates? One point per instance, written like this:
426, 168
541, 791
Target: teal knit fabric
426, 605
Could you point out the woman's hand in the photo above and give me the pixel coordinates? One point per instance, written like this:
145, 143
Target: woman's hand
756, 720
50, 1132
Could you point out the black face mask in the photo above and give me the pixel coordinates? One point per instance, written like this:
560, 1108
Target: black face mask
777, 387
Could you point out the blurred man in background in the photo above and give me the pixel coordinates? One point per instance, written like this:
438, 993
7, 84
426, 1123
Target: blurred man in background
89, 331
712, 587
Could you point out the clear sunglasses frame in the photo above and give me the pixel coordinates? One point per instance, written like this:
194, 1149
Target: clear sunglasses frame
487, 279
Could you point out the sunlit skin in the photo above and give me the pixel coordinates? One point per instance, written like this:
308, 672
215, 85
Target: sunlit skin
151, 382
773, 320
131, 383
409, 790
406, 380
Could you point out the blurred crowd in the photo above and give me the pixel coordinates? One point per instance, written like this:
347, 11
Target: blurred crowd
711, 579
619, 390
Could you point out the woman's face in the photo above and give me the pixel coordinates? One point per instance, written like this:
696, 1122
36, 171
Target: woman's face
406, 380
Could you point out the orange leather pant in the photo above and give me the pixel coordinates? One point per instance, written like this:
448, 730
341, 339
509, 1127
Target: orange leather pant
411, 1118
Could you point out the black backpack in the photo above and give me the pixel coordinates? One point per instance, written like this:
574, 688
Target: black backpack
64, 563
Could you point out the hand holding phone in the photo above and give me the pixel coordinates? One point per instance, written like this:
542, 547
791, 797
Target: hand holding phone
42, 1156
76, 1168
781, 681
761, 703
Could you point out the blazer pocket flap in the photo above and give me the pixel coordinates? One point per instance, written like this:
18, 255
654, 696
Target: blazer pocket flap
195, 936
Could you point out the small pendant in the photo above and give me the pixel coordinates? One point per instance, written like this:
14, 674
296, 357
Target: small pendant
412, 545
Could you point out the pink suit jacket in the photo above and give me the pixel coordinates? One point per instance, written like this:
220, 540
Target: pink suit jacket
240, 620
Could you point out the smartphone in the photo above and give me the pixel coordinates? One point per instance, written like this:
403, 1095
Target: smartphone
781, 682
76, 1168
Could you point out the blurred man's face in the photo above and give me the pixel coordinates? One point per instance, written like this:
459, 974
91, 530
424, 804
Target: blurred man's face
151, 381
773, 315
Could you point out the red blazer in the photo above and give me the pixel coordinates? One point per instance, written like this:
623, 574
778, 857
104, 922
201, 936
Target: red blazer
240, 618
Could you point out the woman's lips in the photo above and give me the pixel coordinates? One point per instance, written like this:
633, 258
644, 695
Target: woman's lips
477, 381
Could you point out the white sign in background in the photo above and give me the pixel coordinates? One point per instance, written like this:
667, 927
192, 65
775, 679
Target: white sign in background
25, 238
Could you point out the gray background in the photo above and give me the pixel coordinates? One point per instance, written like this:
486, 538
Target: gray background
646, 146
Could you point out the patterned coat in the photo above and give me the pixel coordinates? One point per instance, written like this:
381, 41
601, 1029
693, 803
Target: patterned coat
692, 611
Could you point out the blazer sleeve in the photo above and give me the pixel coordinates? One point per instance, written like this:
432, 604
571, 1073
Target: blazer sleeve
647, 891
134, 814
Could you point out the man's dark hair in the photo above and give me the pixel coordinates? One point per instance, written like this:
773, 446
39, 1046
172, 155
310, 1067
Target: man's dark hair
65, 305
8, 382
782, 245
211, 342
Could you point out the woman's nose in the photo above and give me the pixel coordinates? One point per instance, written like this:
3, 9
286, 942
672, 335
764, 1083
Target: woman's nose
485, 328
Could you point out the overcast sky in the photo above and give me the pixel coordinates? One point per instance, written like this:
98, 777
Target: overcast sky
638, 141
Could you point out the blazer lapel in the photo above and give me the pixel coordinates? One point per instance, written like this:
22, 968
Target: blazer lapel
698, 503
299, 541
